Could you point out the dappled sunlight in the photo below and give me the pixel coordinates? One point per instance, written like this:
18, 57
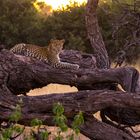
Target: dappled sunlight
52, 88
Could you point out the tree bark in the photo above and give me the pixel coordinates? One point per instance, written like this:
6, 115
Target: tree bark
98, 45
41, 107
19, 74
95, 36
103, 131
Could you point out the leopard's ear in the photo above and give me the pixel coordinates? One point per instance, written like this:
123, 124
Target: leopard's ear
63, 40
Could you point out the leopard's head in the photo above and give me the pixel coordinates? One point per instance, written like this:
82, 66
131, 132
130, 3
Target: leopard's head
56, 46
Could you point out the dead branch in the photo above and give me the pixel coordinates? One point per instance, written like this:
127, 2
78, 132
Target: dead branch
41, 107
19, 74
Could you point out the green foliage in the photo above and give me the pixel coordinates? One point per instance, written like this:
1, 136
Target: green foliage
17, 129
22, 22
59, 138
36, 122
75, 42
68, 23
58, 109
78, 120
59, 118
19, 22
6, 133
42, 133
118, 22
16, 114
60, 121
71, 137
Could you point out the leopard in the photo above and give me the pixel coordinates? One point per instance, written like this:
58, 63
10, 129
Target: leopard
49, 54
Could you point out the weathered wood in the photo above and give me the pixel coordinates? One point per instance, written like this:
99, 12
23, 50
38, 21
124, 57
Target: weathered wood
41, 107
94, 34
102, 131
19, 74
98, 46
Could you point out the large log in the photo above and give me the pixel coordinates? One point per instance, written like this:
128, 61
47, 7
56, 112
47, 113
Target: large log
19, 74
88, 102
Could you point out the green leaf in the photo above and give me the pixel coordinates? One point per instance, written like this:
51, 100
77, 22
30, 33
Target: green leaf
7, 133
59, 138
78, 120
17, 129
36, 122
16, 115
58, 109
44, 135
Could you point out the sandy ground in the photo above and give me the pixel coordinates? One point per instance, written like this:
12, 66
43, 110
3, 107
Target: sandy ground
52, 88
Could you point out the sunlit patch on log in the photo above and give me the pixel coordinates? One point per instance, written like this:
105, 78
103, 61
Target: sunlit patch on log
52, 88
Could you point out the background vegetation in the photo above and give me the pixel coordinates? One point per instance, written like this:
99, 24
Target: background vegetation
22, 21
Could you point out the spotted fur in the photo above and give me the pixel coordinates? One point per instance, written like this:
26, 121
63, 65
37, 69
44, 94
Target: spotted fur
48, 54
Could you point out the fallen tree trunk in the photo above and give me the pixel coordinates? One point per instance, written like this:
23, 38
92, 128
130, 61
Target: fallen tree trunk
20, 74
41, 107
103, 131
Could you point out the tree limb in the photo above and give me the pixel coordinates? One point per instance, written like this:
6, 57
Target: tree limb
41, 107
19, 74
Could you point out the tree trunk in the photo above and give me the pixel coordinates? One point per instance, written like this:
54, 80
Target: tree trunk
19, 74
95, 36
98, 45
88, 102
